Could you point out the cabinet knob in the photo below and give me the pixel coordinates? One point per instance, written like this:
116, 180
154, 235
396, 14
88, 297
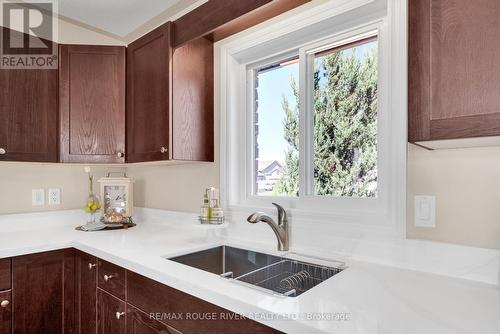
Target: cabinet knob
91, 265
4, 303
120, 154
119, 315
163, 149
2, 151
108, 277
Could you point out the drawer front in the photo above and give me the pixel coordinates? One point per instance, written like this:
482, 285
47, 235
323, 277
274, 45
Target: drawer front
5, 312
139, 322
4, 274
192, 314
111, 278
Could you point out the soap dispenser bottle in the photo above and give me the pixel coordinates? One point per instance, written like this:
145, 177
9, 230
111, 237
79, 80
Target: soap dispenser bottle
205, 208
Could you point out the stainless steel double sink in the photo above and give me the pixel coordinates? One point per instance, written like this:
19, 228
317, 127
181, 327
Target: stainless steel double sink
279, 275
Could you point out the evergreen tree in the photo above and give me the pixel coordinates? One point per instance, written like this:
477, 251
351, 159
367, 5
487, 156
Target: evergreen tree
345, 127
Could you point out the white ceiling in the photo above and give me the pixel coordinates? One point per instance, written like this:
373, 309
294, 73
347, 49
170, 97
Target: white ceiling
119, 17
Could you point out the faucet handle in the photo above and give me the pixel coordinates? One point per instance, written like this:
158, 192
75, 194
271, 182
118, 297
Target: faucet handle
281, 214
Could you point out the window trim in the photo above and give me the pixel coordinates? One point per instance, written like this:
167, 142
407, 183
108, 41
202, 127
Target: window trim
230, 100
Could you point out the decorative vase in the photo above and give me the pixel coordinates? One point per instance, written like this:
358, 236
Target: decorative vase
93, 203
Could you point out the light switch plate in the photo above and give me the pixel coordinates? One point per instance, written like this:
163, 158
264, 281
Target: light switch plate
37, 197
54, 195
425, 211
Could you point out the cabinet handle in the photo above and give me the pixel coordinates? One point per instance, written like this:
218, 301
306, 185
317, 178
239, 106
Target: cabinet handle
120, 154
91, 265
119, 315
4, 303
2, 151
163, 149
108, 277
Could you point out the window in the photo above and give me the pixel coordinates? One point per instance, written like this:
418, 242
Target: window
342, 155
345, 120
313, 116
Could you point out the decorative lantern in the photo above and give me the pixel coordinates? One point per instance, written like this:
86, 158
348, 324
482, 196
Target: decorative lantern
117, 195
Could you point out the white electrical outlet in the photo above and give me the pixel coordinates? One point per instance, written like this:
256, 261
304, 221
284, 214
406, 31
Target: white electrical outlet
425, 211
54, 195
37, 197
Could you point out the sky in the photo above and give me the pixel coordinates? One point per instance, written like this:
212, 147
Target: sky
274, 84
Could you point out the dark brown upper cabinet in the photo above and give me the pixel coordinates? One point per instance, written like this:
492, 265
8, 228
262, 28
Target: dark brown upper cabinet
169, 99
28, 115
149, 96
150, 101
193, 101
453, 69
92, 103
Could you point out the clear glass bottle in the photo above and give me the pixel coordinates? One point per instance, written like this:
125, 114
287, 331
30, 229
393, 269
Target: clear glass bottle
93, 203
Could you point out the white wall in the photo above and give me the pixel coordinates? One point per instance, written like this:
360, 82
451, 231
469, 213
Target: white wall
17, 180
177, 188
466, 183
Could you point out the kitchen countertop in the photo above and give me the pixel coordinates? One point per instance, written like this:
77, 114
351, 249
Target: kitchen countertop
365, 298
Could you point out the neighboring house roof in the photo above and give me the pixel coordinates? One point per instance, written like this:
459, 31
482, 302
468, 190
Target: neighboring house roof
268, 166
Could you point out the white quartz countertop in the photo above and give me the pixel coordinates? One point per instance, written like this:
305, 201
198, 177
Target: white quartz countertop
365, 298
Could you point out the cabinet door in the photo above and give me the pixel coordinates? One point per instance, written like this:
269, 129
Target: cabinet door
28, 115
453, 69
148, 96
139, 322
5, 312
43, 292
110, 314
86, 293
193, 101
92, 103
5, 274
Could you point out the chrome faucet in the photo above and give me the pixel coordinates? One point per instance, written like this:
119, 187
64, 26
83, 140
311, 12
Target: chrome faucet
280, 229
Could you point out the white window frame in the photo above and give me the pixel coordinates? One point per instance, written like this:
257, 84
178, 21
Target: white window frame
236, 142
306, 198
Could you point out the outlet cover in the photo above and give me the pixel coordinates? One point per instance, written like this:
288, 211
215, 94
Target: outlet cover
425, 211
54, 195
37, 197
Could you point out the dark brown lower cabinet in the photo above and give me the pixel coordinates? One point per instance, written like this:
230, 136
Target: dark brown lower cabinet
5, 312
110, 314
43, 288
4, 274
139, 322
192, 315
58, 292
86, 293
